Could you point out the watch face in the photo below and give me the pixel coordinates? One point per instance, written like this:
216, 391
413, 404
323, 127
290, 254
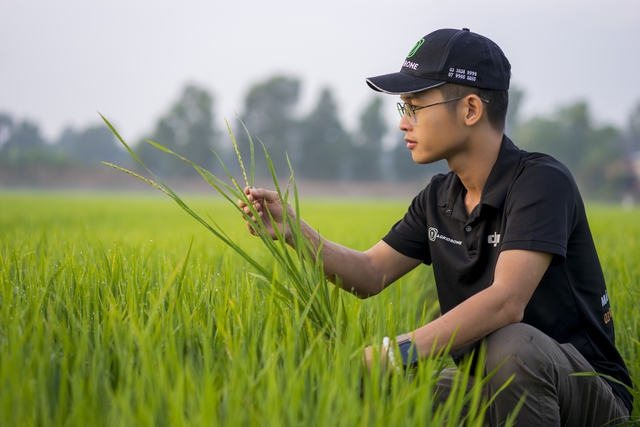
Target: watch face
409, 353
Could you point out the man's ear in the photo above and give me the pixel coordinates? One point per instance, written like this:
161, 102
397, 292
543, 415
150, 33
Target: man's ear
473, 109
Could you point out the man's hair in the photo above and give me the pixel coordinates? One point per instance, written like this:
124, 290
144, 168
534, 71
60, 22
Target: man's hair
496, 109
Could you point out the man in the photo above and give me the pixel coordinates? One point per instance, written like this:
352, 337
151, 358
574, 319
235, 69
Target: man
507, 236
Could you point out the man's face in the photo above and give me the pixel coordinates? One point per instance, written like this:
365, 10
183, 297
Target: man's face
435, 132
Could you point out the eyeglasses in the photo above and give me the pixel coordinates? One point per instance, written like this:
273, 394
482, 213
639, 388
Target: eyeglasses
410, 110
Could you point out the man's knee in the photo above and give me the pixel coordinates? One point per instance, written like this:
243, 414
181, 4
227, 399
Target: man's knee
515, 348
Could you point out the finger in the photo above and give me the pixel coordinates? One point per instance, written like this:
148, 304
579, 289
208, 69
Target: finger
247, 212
251, 230
242, 202
247, 192
251, 218
261, 193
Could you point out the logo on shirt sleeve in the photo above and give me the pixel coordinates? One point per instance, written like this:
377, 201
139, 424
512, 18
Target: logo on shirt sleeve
604, 299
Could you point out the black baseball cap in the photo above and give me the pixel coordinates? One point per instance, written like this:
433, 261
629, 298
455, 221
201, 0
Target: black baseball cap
448, 55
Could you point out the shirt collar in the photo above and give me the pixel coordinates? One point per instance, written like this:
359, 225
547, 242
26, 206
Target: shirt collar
495, 189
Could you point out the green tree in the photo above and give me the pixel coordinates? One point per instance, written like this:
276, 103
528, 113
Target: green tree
188, 129
627, 171
366, 156
564, 136
268, 115
23, 144
324, 142
90, 146
516, 96
633, 130
6, 128
406, 170
572, 138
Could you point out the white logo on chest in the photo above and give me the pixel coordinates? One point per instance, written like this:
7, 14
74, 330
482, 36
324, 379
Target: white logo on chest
433, 235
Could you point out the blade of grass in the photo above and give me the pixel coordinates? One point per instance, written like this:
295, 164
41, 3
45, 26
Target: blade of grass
304, 271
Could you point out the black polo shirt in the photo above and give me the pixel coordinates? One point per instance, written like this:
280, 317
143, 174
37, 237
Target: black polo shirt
530, 201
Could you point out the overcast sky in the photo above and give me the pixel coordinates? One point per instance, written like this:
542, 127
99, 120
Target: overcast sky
61, 61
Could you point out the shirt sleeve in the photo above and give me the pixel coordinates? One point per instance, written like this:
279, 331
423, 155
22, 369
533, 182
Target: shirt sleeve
410, 235
541, 210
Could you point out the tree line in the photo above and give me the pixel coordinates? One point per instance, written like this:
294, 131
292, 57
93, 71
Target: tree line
317, 146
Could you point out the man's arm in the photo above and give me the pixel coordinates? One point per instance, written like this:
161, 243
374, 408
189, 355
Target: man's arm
517, 274
362, 273
365, 273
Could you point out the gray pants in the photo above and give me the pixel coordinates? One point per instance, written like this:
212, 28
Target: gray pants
543, 369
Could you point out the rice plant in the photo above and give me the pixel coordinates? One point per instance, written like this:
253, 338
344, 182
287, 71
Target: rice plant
302, 285
119, 310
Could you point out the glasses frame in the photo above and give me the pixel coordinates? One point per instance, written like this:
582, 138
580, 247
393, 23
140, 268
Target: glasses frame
410, 110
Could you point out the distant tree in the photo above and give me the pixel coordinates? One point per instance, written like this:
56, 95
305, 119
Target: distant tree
324, 142
6, 128
632, 132
23, 144
269, 117
406, 170
365, 159
541, 134
516, 96
571, 137
626, 172
605, 149
564, 135
188, 129
89, 146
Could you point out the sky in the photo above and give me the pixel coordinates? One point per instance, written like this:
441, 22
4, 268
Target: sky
63, 61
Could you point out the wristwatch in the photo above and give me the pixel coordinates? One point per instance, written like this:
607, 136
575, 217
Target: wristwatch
409, 354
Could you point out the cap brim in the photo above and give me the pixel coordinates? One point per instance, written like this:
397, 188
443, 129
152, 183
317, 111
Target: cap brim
399, 83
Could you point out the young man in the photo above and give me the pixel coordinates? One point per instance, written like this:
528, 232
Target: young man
507, 236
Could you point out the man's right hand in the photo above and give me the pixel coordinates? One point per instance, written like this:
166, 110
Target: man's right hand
361, 273
269, 206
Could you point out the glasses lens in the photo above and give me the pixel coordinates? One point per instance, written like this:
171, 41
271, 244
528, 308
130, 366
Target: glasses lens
404, 108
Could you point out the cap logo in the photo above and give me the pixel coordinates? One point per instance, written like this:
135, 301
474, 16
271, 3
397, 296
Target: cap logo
415, 48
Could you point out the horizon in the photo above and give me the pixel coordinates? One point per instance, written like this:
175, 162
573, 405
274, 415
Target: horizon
65, 61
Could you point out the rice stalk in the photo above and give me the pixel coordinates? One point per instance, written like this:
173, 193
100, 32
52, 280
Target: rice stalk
304, 284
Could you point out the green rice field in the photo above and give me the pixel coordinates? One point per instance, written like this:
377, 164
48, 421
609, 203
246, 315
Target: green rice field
121, 309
